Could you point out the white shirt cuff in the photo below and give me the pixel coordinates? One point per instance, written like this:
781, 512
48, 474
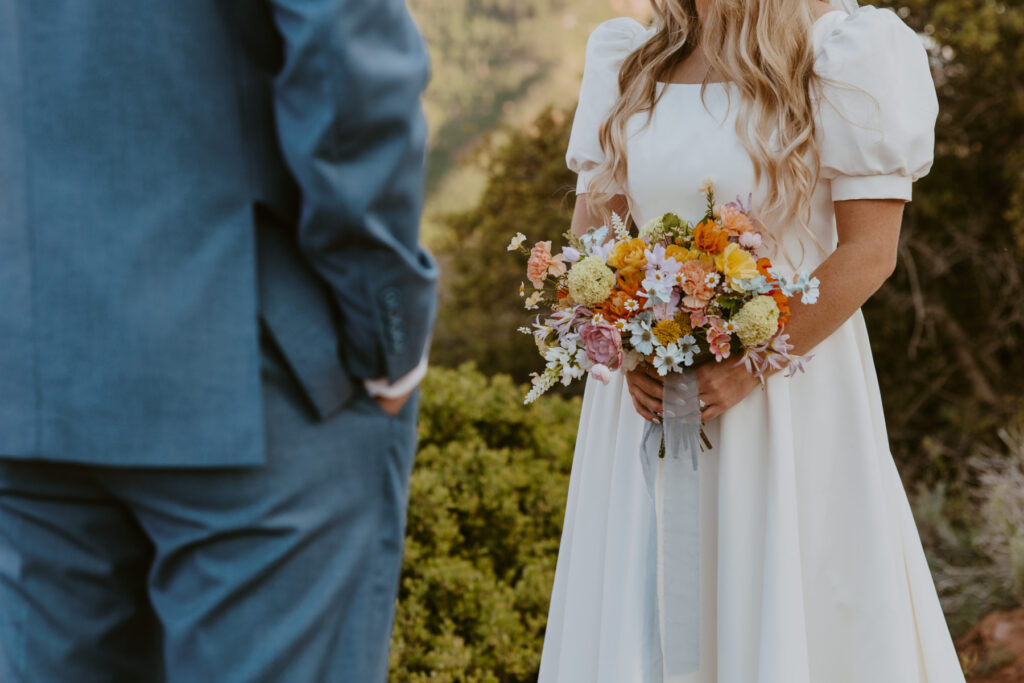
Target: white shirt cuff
402, 386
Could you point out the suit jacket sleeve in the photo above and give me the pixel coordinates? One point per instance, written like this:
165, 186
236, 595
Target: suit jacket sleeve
351, 127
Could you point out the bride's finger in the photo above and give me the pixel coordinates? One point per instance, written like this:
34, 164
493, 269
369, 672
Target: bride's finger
652, 372
644, 412
648, 385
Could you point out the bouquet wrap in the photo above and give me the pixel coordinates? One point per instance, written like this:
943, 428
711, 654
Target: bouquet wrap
676, 500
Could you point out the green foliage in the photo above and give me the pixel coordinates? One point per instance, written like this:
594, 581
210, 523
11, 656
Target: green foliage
529, 190
485, 514
947, 328
976, 540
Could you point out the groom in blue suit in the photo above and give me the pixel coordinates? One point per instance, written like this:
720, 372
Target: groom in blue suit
213, 314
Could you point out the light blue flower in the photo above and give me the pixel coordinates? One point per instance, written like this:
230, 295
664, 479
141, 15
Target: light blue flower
592, 241
808, 287
758, 285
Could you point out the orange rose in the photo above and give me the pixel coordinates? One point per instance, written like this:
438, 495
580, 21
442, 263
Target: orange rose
630, 282
628, 256
614, 307
710, 237
681, 254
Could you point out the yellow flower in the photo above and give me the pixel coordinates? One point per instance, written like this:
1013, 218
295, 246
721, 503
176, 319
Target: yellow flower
737, 265
668, 332
628, 255
590, 281
757, 321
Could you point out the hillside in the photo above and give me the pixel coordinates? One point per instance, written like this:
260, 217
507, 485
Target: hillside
495, 63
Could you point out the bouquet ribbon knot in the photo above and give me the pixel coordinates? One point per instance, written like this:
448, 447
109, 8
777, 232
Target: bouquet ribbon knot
676, 502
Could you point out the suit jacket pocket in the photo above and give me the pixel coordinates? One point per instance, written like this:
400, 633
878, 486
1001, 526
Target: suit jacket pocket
299, 314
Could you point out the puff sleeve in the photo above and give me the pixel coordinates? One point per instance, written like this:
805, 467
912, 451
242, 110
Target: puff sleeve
876, 132
608, 46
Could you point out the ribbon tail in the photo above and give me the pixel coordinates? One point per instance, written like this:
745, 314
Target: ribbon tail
674, 485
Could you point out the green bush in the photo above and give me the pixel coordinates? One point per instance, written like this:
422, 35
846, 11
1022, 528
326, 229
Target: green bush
485, 515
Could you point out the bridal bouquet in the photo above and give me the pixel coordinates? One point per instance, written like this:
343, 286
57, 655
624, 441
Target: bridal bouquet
672, 295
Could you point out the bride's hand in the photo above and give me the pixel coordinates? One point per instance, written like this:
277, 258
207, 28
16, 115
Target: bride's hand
723, 385
646, 388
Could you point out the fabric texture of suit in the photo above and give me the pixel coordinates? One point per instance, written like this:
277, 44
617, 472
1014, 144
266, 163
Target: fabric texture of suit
210, 217
136, 138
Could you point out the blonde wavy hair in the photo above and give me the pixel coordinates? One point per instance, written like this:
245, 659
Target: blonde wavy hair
764, 48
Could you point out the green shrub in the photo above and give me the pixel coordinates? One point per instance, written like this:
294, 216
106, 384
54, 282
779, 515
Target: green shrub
485, 515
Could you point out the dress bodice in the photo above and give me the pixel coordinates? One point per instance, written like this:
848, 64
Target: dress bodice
874, 127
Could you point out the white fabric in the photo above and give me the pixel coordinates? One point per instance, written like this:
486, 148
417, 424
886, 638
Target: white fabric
812, 569
381, 388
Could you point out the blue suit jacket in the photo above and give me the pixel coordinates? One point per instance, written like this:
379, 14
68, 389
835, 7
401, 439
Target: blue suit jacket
171, 173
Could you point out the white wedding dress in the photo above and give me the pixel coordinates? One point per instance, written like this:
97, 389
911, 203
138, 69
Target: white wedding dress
812, 570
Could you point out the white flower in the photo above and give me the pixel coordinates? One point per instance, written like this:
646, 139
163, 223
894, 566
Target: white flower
556, 356
621, 231
688, 348
631, 305
706, 185
620, 325
532, 300
712, 279
541, 383
667, 359
601, 373
517, 241
643, 339
522, 289
524, 330
571, 372
582, 360
750, 240
651, 228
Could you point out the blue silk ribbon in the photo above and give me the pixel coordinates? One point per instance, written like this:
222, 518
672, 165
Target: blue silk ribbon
677, 521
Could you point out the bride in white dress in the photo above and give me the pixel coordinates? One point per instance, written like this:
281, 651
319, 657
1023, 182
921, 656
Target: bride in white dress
811, 566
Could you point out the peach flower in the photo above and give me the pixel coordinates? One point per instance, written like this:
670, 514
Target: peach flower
693, 277
734, 221
541, 263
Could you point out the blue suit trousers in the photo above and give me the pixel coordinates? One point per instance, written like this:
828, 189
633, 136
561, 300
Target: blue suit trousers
275, 573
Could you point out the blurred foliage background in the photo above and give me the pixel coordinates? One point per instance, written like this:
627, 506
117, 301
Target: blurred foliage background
490, 483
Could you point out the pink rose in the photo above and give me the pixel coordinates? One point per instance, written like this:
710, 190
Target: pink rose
602, 373
603, 344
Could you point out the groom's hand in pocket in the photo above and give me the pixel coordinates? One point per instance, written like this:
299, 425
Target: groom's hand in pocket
392, 406
646, 387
